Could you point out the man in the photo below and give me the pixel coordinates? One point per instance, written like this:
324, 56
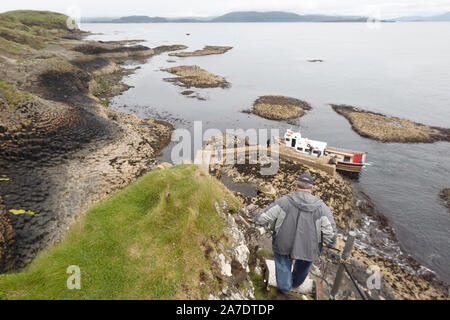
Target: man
300, 223
333, 160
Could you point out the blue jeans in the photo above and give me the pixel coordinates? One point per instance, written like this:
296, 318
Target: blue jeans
288, 278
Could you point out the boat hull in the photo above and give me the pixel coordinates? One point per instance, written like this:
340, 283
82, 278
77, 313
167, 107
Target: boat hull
349, 167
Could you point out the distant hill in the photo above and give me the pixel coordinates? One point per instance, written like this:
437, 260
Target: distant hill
139, 19
440, 17
257, 16
241, 16
280, 16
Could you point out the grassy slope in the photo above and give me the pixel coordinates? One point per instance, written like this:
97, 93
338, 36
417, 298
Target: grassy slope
23, 30
42, 19
135, 245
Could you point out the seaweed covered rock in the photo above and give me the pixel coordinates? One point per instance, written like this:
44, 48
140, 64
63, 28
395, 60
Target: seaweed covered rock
390, 129
276, 107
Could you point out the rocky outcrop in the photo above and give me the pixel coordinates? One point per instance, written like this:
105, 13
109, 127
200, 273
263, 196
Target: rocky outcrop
110, 50
279, 107
7, 241
194, 76
231, 263
390, 129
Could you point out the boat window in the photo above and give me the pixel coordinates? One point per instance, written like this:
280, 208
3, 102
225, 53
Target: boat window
347, 159
287, 139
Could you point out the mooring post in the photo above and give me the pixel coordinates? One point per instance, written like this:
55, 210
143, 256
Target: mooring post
345, 255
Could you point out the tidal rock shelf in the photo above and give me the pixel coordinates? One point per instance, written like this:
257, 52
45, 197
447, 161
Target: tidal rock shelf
390, 129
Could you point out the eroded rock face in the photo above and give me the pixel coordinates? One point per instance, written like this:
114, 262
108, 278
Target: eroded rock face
232, 262
7, 241
390, 129
38, 130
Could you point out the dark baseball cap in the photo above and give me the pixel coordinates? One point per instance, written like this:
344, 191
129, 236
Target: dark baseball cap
306, 178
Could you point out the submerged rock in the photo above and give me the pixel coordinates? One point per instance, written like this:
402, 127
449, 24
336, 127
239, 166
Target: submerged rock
445, 197
390, 129
207, 50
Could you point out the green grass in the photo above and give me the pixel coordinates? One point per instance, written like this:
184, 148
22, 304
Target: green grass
23, 30
104, 82
265, 254
261, 292
12, 48
14, 97
30, 18
134, 245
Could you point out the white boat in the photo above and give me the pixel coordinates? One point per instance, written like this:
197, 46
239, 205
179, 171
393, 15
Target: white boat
345, 160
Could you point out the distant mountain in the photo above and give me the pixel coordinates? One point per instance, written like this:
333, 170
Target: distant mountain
139, 19
97, 19
440, 17
280, 16
256, 16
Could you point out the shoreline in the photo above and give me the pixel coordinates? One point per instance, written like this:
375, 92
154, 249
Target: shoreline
74, 150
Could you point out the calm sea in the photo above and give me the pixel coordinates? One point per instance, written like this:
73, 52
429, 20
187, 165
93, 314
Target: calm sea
399, 69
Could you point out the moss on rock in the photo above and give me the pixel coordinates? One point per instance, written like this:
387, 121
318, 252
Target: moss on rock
277, 107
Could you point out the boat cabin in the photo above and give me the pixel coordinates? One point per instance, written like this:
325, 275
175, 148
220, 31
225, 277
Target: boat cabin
304, 145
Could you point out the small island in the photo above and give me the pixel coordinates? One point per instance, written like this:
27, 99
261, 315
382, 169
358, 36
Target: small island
275, 107
390, 129
194, 76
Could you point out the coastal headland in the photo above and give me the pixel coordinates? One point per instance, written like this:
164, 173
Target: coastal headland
61, 148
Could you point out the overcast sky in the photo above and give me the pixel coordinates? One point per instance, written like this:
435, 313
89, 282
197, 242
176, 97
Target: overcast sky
179, 8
